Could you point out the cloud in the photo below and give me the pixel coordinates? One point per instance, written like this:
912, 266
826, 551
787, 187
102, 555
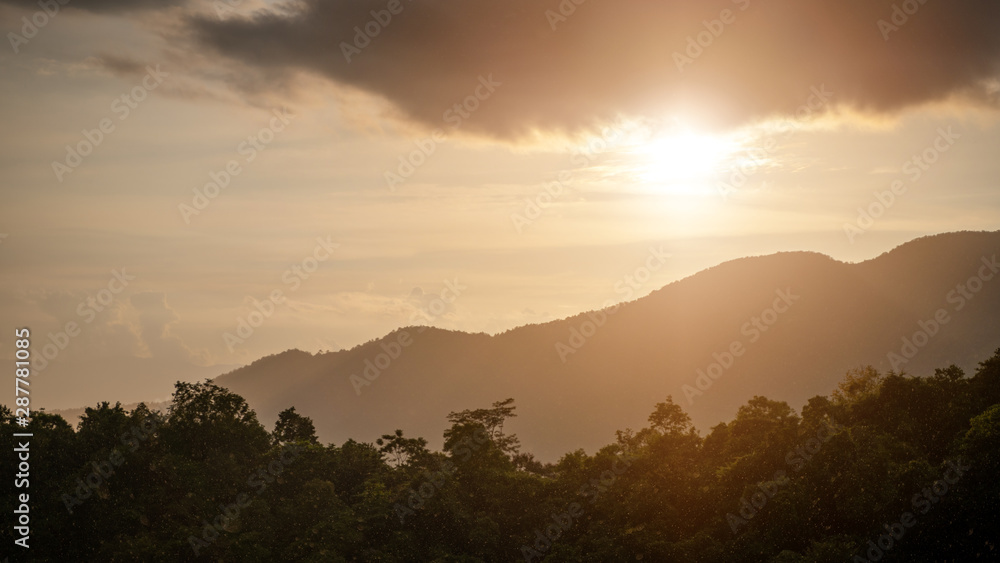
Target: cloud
101, 333
155, 318
607, 59
100, 6
429, 306
122, 65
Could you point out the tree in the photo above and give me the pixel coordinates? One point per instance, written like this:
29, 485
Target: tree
858, 383
669, 418
207, 421
981, 444
492, 420
949, 374
293, 427
986, 382
100, 428
764, 487
400, 451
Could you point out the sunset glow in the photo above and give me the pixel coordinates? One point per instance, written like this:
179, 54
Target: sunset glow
693, 234
683, 163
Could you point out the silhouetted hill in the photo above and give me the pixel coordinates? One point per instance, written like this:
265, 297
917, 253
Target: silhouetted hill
840, 315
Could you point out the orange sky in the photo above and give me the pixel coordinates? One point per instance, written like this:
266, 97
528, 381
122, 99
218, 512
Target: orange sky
527, 156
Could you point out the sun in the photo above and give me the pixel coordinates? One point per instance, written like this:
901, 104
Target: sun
682, 162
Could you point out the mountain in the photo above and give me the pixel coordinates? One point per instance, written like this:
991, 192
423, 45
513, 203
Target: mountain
816, 319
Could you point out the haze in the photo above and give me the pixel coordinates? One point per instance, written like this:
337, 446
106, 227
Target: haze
516, 160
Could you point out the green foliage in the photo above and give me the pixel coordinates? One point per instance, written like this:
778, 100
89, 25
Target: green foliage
293, 427
492, 420
814, 486
400, 451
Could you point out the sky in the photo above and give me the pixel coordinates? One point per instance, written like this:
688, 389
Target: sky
202, 183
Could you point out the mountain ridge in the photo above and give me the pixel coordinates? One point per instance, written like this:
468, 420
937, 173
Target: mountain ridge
646, 349
649, 348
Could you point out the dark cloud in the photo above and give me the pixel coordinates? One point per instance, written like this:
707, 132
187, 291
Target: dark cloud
608, 58
98, 6
122, 65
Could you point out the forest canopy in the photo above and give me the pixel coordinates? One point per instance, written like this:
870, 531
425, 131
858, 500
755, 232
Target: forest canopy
889, 467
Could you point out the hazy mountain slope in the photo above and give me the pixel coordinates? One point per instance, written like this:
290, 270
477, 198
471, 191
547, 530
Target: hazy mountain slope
841, 315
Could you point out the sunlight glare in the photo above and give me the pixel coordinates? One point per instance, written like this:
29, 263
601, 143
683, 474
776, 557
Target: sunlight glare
683, 162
